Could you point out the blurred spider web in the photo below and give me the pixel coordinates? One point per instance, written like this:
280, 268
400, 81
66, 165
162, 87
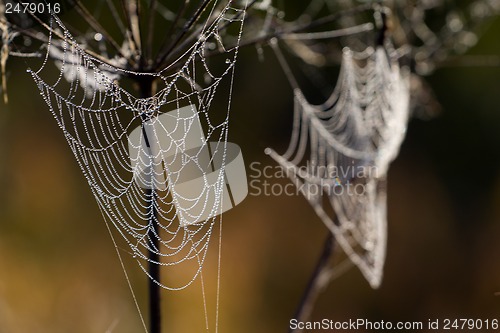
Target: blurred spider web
340, 151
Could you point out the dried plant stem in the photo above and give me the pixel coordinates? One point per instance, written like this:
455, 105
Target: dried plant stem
146, 90
154, 271
317, 282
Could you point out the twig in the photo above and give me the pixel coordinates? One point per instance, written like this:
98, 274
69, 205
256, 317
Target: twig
130, 32
154, 271
146, 90
316, 282
90, 19
173, 26
164, 53
164, 64
262, 39
299, 28
4, 51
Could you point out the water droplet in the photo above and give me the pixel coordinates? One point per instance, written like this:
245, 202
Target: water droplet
207, 78
27, 41
228, 61
454, 21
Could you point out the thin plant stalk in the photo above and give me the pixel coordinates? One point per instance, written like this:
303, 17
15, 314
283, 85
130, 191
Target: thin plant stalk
154, 288
155, 319
316, 282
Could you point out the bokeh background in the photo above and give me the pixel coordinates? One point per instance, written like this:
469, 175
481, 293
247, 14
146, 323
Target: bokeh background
59, 271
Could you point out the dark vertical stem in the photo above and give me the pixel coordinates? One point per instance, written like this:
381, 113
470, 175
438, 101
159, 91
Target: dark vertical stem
315, 285
154, 270
146, 90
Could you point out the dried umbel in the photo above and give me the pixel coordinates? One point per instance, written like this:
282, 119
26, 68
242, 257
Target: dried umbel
98, 117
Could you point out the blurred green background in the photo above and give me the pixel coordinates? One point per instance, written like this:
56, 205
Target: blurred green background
59, 271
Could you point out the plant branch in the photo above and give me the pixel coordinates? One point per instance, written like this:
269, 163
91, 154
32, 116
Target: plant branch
154, 271
44, 39
278, 33
164, 53
266, 38
90, 19
146, 90
173, 26
317, 281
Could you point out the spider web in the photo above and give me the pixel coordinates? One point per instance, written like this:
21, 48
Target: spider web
340, 151
136, 153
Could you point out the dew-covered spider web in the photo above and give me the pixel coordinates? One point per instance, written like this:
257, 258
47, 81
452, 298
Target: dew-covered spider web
159, 165
340, 151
